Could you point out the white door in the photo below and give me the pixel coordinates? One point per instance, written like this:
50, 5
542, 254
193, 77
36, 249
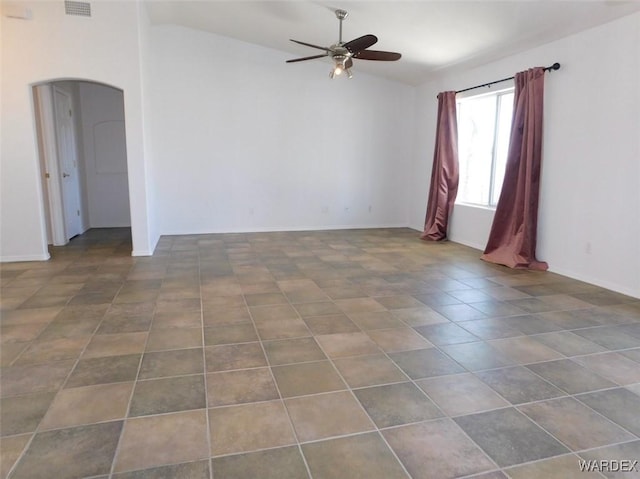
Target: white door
68, 163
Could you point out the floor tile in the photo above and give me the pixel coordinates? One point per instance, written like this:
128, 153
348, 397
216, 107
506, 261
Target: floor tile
446, 333
124, 324
619, 405
621, 452
493, 308
365, 456
459, 312
398, 339
234, 356
307, 378
359, 305
508, 437
229, 322
437, 449
267, 421
280, 463
395, 404
573, 423
568, 343
491, 328
400, 301
524, 350
531, 305
346, 344
267, 313
419, 316
158, 396
21, 414
165, 339
229, 334
612, 366
530, 324
282, 329
371, 370
159, 440
10, 351
477, 356
10, 450
261, 299
287, 351
562, 467
177, 319
570, 376
188, 470
241, 386
171, 363
229, 315
115, 345
325, 415
519, 385
331, 324
461, 394
424, 363
375, 320
52, 350
322, 308
18, 380
75, 452
87, 405
609, 337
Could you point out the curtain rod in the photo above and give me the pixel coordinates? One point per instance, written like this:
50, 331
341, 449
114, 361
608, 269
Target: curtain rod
555, 66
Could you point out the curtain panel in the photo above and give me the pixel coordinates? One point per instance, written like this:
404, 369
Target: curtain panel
513, 236
444, 173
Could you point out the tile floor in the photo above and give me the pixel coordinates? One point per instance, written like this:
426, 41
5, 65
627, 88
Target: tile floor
341, 354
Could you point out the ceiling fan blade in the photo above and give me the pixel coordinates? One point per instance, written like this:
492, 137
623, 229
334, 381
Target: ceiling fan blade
310, 45
359, 44
377, 55
307, 58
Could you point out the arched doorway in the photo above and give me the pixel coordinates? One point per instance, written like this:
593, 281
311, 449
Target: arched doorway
83, 158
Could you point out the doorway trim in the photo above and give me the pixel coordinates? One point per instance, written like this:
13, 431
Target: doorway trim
49, 160
50, 172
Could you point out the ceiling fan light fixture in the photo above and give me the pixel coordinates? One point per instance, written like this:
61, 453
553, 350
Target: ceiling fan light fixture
339, 66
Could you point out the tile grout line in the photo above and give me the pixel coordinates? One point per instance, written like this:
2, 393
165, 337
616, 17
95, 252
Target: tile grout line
133, 390
273, 379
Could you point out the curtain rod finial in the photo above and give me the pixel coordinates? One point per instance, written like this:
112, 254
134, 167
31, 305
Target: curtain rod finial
555, 66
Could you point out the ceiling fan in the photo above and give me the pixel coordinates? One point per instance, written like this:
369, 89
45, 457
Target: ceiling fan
344, 53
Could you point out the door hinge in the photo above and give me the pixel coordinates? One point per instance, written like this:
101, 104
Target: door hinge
47, 176
70, 113
78, 212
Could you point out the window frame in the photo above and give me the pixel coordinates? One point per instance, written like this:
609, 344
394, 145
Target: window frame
499, 95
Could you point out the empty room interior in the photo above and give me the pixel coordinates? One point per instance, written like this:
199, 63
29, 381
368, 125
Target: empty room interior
309, 239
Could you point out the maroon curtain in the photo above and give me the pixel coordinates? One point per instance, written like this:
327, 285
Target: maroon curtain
444, 174
512, 240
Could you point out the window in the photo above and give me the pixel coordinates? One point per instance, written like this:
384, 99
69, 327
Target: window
484, 124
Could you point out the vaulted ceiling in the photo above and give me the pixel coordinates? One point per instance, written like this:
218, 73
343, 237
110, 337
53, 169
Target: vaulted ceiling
432, 36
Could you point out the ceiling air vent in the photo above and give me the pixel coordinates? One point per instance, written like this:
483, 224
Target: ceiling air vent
82, 9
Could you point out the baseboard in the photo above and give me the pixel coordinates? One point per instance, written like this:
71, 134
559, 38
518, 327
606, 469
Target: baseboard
277, 229
27, 257
141, 253
470, 244
618, 288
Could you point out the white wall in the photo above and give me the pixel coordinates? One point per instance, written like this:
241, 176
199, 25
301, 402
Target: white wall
245, 142
589, 218
105, 155
54, 46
